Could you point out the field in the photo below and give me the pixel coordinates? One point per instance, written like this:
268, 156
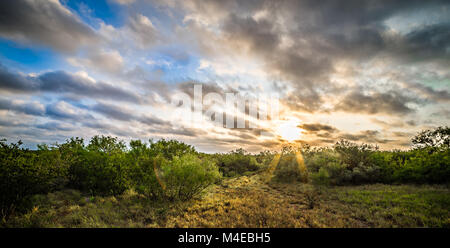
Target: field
169, 184
250, 201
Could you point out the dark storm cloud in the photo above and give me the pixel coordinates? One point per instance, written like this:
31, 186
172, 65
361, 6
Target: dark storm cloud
390, 102
44, 22
64, 83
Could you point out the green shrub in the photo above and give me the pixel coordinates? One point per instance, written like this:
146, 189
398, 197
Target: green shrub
99, 173
354, 155
24, 173
264, 158
100, 168
179, 178
426, 165
187, 176
322, 177
170, 148
145, 180
346, 163
236, 163
287, 169
349, 163
319, 158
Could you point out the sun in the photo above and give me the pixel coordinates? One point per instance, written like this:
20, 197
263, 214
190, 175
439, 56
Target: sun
289, 130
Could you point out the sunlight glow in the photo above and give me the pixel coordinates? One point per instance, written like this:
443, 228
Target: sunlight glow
289, 130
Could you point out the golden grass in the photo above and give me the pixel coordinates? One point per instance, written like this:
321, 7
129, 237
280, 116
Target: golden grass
250, 201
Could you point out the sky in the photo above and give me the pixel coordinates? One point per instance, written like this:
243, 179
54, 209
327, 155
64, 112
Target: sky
365, 71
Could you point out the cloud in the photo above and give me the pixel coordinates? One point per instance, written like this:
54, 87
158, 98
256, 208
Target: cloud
302, 43
125, 114
390, 102
55, 126
429, 42
316, 127
62, 82
64, 110
16, 82
125, 2
138, 34
46, 22
143, 30
188, 88
430, 93
323, 59
32, 108
12, 123
105, 61
112, 111
368, 136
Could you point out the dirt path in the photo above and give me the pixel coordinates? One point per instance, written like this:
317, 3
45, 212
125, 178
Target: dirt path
247, 201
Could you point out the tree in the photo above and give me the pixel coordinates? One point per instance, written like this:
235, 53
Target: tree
170, 148
437, 138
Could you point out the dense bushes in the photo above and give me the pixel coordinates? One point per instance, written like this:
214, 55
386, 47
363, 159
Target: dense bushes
287, 169
237, 162
100, 168
349, 163
187, 176
170, 148
100, 173
178, 179
24, 173
415, 166
105, 166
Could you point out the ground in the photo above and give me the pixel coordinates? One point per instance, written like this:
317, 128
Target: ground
251, 202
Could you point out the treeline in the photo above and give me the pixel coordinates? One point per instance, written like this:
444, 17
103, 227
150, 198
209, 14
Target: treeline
347, 163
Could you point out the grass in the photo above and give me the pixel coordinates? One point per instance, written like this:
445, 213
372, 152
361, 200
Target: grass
398, 206
69, 208
249, 201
